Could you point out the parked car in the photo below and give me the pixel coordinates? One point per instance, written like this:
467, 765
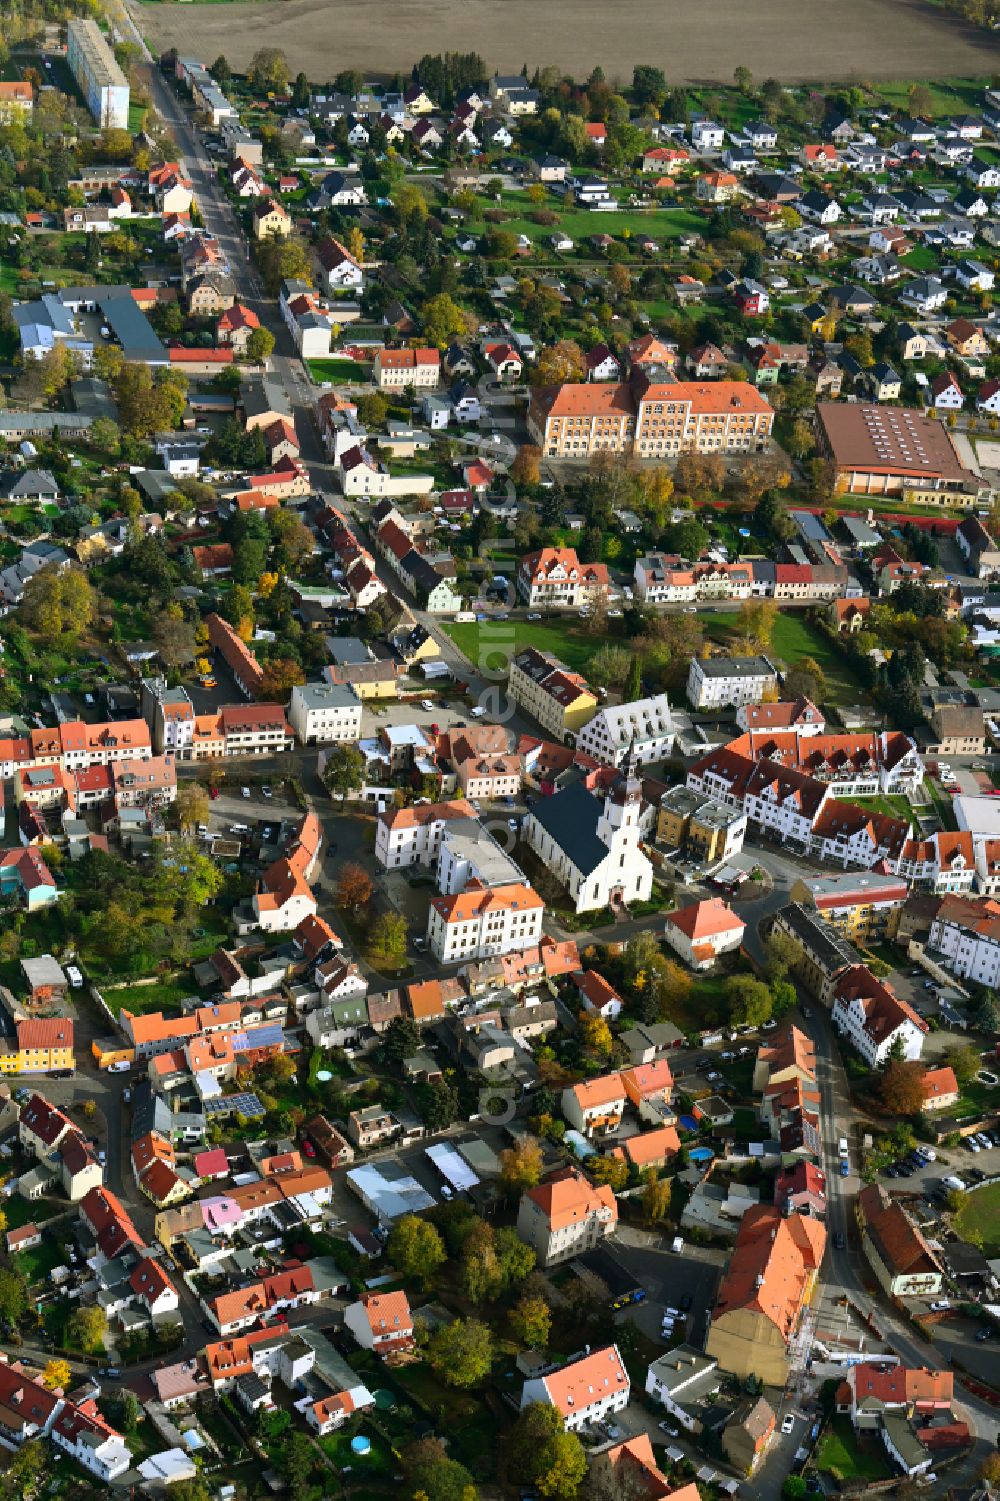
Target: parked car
122, 1066
74, 976
940, 1305
245, 792
788, 1422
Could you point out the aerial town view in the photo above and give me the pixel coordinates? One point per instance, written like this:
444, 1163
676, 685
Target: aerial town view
499, 750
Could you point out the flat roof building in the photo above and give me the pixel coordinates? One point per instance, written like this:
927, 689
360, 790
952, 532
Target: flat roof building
883, 450
95, 68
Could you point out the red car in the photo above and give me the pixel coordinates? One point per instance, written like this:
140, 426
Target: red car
213, 793
308, 1148
435, 729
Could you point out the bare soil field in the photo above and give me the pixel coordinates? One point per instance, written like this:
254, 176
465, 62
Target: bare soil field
791, 40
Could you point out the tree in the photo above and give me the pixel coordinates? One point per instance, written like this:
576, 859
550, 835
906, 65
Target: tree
191, 805
174, 638
430, 1474
749, 1001
805, 679
756, 621
268, 71
343, 770
354, 887
279, 677
402, 1038
57, 1373
443, 320
87, 1328
300, 91
793, 1488
782, 954
560, 363
990, 1469
920, 101
531, 1321
416, 1248
57, 602
610, 1170
964, 1060
221, 71
743, 79
373, 409
387, 940
526, 468
521, 1165
595, 1034
541, 1453
633, 683
105, 435
13, 1296
260, 344
901, 1088
656, 1199
987, 1014
461, 1352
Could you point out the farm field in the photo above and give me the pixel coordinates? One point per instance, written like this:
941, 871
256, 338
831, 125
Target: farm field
873, 39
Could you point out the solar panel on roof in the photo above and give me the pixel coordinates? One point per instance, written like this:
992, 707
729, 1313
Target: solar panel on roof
240, 1104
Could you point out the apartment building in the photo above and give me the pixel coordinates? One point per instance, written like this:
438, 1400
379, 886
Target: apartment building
858, 905
763, 1293
483, 762
40, 1046
321, 713
703, 828
642, 729
74, 746
965, 938
558, 698
894, 1247
663, 581
649, 419
480, 923
873, 1019
584, 1392
595, 1104
727, 682
96, 70
17, 101
412, 836
554, 577
397, 369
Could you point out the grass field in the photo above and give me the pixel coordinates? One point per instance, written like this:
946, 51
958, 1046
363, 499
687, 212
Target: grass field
793, 639
580, 224
838, 1454
165, 995
333, 370
37, 1263
872, 39
490, 646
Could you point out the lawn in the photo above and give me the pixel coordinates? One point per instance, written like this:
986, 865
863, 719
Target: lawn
18, 1211
979, 1217
581, 224
164, 995
37, 1263
334, 370
378, 1461
490, 646
894, 804
793, 639
838, 1454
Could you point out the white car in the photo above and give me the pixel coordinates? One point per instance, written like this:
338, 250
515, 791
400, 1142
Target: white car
121, 1067
74, 976
533, 615
669, 1428
427, 706
941, 1305
478, 712
266, 792
245, 792
788, 1422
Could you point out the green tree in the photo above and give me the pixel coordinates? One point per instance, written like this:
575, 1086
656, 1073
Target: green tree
461, 1353
416, 1248
633, 683
402, 1038
443, 320
301, 91
431, 1474
531, 1321
87, 1329
191, 805
260, 344
964, 1059
343, 770
373, 409
268, 71
57, 602
387, 940
221, 71
542, 1454
749, 1000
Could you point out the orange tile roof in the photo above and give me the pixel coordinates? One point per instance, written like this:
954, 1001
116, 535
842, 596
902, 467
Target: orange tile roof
47, 1032
652, 1146
478, 900
387, 1313
704, 920
607, 1089
578, 1386
770, 1266
939, 1081
567, 1197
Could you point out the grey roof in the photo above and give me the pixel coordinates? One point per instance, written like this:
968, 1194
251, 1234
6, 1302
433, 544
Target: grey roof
30, 483
738, 667
822, 940
131, 327
570, 820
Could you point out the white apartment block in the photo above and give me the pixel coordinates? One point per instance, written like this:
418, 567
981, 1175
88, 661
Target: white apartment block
873, 1019
480, 923
95, 68
642, 728
323, 712
727, 682
967, 945
412, 836
586, 1392
565, 1216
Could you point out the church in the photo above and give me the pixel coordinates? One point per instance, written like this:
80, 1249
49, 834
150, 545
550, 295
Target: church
590, 842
